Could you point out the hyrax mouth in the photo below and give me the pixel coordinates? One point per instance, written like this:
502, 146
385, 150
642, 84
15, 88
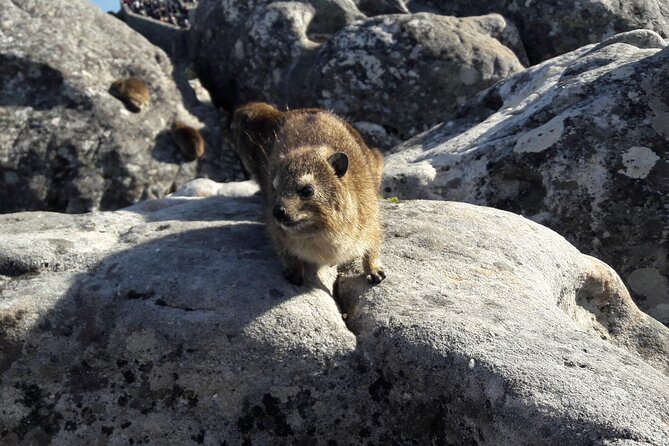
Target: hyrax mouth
291, 223
296, 226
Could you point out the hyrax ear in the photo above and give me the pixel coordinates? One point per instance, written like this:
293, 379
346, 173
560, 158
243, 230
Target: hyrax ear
339, 162
255, 122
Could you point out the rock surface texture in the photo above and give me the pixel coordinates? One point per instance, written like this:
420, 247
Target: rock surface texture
578, 143
170, 323
552, 28
391, 76
66, 143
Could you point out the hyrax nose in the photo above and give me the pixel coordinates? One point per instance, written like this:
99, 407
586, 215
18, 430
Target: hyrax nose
279, 212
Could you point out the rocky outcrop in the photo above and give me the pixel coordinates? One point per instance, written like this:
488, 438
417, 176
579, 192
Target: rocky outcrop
391, 76
578, 143
66, 144
548, 28
169, 322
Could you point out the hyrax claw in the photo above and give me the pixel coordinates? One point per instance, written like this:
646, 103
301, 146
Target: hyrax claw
376, 277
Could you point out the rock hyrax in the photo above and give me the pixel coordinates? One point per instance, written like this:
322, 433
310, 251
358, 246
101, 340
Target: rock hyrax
320, 183
132, 91
188, 139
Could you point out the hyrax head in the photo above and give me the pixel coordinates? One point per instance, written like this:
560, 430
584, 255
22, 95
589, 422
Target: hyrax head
306, 189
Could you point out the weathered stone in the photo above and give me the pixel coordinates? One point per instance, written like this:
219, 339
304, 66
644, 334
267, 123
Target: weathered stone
552, 28
66, 143
578, 143
407, 73
169, 322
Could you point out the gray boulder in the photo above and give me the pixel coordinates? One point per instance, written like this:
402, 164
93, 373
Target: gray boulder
407, 73
66, 144
578, 143
549, 29
170, 323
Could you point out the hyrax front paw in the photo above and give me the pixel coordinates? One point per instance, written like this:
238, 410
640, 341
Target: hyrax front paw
376, 276
373, 270
294, 275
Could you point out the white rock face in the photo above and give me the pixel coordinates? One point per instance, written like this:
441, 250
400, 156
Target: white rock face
170, 322
578, 143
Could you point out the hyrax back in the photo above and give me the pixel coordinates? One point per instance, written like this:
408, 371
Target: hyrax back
188, 139
132, 91
320, 183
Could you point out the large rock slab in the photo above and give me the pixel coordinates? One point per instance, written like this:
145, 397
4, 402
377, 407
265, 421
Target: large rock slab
66, 144
170, 323
578, 143
549, 29
391, 76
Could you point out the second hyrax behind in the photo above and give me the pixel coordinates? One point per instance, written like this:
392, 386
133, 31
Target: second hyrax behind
320, 183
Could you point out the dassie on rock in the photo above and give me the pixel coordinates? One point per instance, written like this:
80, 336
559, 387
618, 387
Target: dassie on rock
320, 183
132, 91
188, 139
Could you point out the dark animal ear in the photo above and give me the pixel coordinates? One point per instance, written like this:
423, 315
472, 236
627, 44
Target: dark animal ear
339, 162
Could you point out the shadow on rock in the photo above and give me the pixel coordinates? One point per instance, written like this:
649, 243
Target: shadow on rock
26, 83
210, 209
174, 326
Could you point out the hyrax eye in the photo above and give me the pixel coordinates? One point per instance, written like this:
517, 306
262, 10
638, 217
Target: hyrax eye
307, 192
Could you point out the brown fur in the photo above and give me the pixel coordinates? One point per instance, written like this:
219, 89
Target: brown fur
132, 91
288, 151
188, 139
